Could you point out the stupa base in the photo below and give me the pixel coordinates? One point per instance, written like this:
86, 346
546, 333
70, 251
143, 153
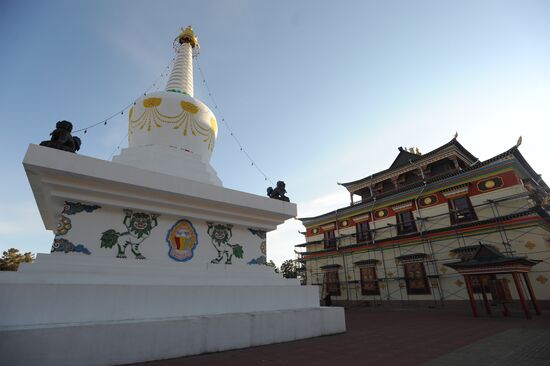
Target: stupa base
123, 342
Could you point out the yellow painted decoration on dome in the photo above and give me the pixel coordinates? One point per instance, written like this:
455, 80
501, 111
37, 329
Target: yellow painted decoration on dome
152, 117
152, 102
214, 125
189, 107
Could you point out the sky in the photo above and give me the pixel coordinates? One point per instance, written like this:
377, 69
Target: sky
316, 93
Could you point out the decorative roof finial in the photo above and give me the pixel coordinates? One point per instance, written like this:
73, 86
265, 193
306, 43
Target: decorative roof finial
519, 142
456, 135
187, 36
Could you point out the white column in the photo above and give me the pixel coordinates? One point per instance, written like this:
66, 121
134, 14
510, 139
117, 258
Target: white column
181, 77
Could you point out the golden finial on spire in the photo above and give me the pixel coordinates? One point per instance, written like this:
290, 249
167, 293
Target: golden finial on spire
188, 36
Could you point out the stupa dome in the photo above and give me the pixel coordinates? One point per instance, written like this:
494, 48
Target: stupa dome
175, 120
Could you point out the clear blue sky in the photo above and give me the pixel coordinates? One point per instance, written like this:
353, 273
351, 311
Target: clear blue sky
318, 92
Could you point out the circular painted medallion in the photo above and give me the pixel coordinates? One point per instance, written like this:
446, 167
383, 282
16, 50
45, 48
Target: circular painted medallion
490, 184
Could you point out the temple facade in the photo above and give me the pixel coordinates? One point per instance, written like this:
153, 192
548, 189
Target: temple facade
405, 224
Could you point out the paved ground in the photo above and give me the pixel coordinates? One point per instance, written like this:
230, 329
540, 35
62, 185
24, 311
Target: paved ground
518, 346
404, 336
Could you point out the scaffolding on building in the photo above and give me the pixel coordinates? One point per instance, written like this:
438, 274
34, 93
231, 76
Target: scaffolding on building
391, 272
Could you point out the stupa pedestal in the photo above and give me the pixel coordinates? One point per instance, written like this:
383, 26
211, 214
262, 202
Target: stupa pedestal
83, 305
152, 257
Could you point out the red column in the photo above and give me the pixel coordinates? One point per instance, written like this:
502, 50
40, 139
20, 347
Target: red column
531, 293
471, 295
517, 281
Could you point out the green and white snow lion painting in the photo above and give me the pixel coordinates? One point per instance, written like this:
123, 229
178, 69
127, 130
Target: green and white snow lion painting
138, 228
220, 235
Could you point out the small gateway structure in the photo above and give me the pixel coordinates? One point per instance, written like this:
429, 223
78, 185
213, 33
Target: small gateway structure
152, 257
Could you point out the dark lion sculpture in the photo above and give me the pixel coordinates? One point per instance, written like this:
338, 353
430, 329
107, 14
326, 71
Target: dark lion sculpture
279, 192
62, 139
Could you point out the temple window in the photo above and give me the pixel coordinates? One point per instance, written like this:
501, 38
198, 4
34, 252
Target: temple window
369, 281
441, 167
405, 223
329, 239
383, 187
461, 210
416, 279
409, 178
332, 283
362, 232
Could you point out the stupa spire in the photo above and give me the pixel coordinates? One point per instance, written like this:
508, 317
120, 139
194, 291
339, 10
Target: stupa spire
181, 77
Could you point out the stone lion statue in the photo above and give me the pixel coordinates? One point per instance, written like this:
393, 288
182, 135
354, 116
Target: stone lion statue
62, 139
279, 192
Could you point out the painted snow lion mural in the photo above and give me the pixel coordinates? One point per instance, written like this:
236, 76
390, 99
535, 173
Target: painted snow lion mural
138, 228
220, 235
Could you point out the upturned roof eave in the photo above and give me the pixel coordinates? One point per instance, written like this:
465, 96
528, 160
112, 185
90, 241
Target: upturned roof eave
512, 151
453, 142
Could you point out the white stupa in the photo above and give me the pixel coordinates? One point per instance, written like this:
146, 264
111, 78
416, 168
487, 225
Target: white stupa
152, 258
171, 131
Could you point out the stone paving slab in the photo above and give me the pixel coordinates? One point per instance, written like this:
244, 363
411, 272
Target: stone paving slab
399, 336
509, 348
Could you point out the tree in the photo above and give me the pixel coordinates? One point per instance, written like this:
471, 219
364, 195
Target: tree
289, 269
272, 264
12, 258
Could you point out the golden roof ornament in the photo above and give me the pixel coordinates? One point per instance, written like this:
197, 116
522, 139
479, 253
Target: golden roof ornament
187, 36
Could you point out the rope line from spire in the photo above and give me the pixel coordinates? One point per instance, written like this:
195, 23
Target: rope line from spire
118, 146
121, 111
241, 147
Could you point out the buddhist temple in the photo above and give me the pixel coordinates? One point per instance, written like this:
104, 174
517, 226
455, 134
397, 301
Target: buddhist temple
399, 239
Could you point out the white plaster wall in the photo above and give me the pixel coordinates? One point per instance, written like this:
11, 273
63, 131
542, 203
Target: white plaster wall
504, 208
438, 216
87, 229
32, 304
126, 342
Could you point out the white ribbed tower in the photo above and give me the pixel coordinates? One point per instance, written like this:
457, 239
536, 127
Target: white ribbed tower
170, 131
181, 78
